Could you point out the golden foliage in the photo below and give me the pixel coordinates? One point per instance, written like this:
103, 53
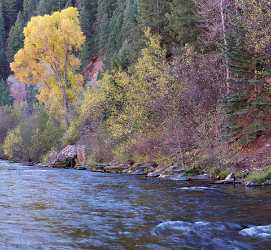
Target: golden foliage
130, 104
49, 57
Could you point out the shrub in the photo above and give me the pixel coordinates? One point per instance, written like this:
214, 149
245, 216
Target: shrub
33, 137
218, 173
260, 176
72, 135
8, 121
12, 146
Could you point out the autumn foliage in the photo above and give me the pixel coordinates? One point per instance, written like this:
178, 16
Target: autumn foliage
49, 59
182, 81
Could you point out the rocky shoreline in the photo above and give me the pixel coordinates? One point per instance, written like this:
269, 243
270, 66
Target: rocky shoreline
173, 172
74, 157
151, 170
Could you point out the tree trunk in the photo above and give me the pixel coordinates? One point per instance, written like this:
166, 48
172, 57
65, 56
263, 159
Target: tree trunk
65, 106
65, 99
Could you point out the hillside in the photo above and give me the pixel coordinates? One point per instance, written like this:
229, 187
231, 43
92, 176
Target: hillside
178, 81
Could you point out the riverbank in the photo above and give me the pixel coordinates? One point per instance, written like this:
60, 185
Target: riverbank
247, 177
250, 178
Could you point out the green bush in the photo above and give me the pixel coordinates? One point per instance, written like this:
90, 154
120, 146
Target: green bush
34, 136
13, 145
218, 173
72, 135
260, 176
194, 170
8, 120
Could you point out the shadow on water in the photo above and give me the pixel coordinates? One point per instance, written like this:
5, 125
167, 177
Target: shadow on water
68, 209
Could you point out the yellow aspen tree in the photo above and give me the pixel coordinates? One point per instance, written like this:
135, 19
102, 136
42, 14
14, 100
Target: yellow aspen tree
49, 58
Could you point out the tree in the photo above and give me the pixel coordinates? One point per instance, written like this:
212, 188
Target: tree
29, 9
3, 61
15, 37
5, 98
49, 58
105, 10
48, 6
133, 102
152, 14
88, 11
11, 9
247, 41
183, 21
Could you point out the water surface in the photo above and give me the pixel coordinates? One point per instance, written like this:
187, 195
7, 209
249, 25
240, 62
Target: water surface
69, 209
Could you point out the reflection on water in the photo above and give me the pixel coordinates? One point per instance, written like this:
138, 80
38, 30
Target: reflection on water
68, 209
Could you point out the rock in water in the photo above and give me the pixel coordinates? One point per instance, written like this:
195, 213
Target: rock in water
263, 232
81, 168
230, 177
142, 168
118, 169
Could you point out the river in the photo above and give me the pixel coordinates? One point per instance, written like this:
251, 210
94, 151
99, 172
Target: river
73, 210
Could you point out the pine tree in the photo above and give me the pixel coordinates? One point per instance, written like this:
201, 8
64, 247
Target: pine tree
183, 21
115, 27
11, 9
246, 99
152, 14
5, 98
15, 37
119, 37
48, 6
105, 10
2, 26
29, 9
88, 11
3, 61
129, 38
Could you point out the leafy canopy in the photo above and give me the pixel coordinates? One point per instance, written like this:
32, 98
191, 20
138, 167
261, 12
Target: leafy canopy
49, 57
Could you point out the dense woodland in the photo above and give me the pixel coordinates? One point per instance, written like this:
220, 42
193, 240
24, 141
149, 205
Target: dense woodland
184, 81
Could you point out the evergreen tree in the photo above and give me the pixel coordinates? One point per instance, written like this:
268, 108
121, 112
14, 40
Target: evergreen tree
132, 36
152, 13
29, 9
88, 11
2, 26
11, 9
105, 10
115, 24
3, 61
128, 36
117, 32
48, 6
44, 7
182, 21
15, 37
5, 98
247, 100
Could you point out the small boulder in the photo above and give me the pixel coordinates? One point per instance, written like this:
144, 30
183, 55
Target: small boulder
230, 179
142, 168
81, 168
157, 172
99, 167
117, 169
173, 172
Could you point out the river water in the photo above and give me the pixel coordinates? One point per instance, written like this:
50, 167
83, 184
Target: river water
69, 209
